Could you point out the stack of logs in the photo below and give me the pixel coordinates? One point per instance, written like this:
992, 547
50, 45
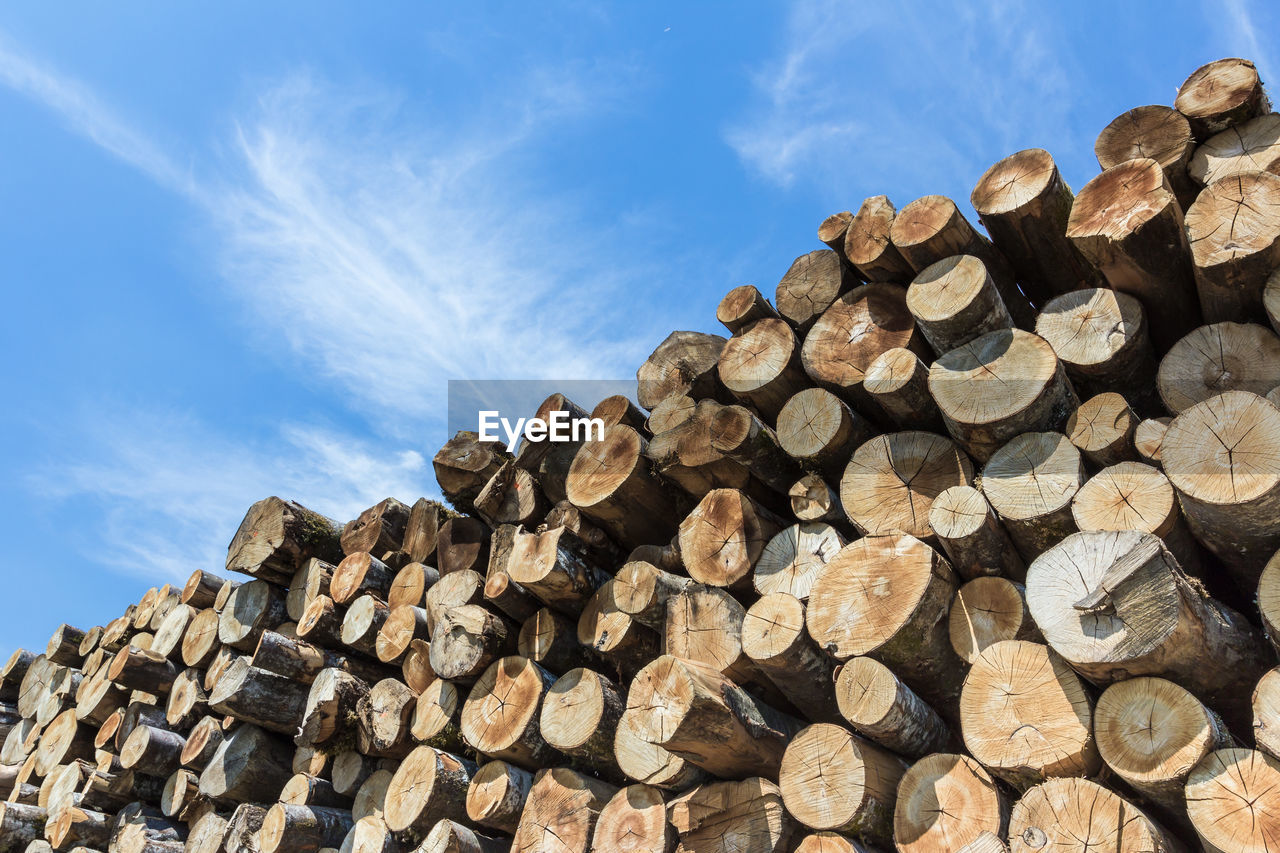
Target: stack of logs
961, 542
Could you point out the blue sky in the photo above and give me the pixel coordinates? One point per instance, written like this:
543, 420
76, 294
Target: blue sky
244, 249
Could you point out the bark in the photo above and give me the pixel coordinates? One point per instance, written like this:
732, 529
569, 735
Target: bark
429, 786
250, 766
462, 545
300, 661
268, 700
377, 530
623, 643
331, 711
512, 496
136, 669
974, 540
745, 439
555, 567
551, 641
579, 717
641, 589
64, 646
684, 363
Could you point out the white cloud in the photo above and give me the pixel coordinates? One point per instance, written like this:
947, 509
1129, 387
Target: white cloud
1243, 32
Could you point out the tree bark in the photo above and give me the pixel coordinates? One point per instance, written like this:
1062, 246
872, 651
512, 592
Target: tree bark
254, 607
744, 438
948, 799
467, 639
303, 829
377, 530
267, 700
64, 646
1234, 229
300, 661
278, 536
723, 816
137, 669
875, 702
360, 574
1030, 482
512, 496
551, 640
811, 284
250, 766
555, 567
613, 635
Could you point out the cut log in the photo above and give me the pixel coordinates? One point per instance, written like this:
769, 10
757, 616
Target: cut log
200, 642
136, 669
501, 592
849, 335
900, 589
1148, 437
898, 382
377, 530
1135, 496
203, 742
946, 801
1100, 336
641, 591
998, 386
512, 496
500, 717
1231, 800
78, 829
462, 545
551, 641
403, 625
832, 842
868, 246
301, 661
1025, 204
1218, 358
20, 825
745, 439
635, 821
812, 500
1266, 711
464, 465
892, 480
250, 766
422, 528
579, 717
773, 637
955, 301
1253, 146
704, 624
612, 482
832, 779
725, 817
792, 560
811, 284
740, 309
1220, 95
1158, 132
684, 363
169, 636
263, 698
242, 828
416, 669
1234, 229
1151, 733
467, 639
437, 716
453, 590
761, 366
974, 540
207, 833
361, 624
561, 812
64, 646
618, 409
876, 703
303, 829
386, 715
63, 740
1026, 716
1220, 457
331, 711
448, 836
1076, 814
621, 641
550, 460
372, 796
360, 574
97, 697
497, 794
832, 231
1102, 429
690, 709
278, 536
155, 752
254, 607
987, 611
818, 430
306, 790
430, 785
684, 456
1031, 482
723, 537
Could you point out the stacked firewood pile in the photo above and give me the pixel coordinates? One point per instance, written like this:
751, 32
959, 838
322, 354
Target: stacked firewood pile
963, 542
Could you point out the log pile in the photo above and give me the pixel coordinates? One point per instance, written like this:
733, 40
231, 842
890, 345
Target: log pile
964, 542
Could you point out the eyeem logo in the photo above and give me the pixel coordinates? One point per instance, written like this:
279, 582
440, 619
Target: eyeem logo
560, 427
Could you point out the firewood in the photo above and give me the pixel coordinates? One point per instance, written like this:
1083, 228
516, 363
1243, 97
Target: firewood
1091, 596
684, 363
723, 537
892, 480
1102, 429
832, 842
371, 798
832, 779
987, 610
350, 770
812, 500
683, 455
302, 829
901, 588
550, 460
641, 591
1234, 229
497, 794
1266, 710
1155, 131
568, 516
743, 307
745, 439
671, 412
1024, 204
620, 640
360, 574
64, 739
761, 366
361, 624
875, 702
774, 639
634, 820
1026, 716
1148, 436
1143, 252
155, 752
792, 560
224, 594
898, 382
817, 429
276, 538
301, 661
579, 717
932, 229
270, 701
385, 716
136, 669
437, 716
1220, 95
954, 301
416, 668
428, 786
1076, 814
422, 528
1135, 496
868, 246
403, 625
464, 465
15, 670
169, 636
250, 766
500, 717
687, 636
137, 713
200, 641
974, 540
449, 836
462, 545
809, 287
331, 710
467, 639
691, 709
77, 828
1218, 358
503, 593
832, 231
1101, 338
999, 386
64, 646
721, 817
561, 812
945, 800
1268, 598
612, 483
253, 608
202, 744
377, 530
242, 828
512, 496
1031, 482
849, 335
207, 833
97, 697
453, 590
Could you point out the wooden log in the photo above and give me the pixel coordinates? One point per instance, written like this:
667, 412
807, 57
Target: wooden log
97, 697
561, 812
1102, 429
1220, 95
868, 245
974, 540
1252, 146
792, 560
774, 639
1135, 496
448, 836
467, 639
250, 766
512, 496
1234, 229
464, 465
500, 717
832, 231
812, 500
1128, 223
300, 661
497, 794
722, 816
303, 829
684, 456
1024, 204
641, 590
1031, 482
618, 408
818, 430
945, 800
172, 631
362, 623
684, 363
1218, 358
429, 785
503, 593
137, 669
622, 642
612, 482
1101, 338
462, 545
377, 530
761, 366
1266, 709
77, 828
139, 712
267, 700
999, 386
900, 588
453, 590
360, 574
1154, 131
13, 673
691, 709
242, 828
986, 611
385, 717
832, 842
875, 702
634, 820
898, 381
20, 825
351, 769
1091, 596
1076, 814
254, 607
64, 739
155, 752
207, 833
403, 625
723, 536
550, 460
551, 640
955, 300
704, 624
331, 710
416, 668
1148, 436
1218, 455
202, 744
277, 536
64, 646
1026, 716
832, 779
437, 717
200, 643
809, 287
743, 307
422, 529
849, 335
306, 790
745, 439
892, 480
579, 717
